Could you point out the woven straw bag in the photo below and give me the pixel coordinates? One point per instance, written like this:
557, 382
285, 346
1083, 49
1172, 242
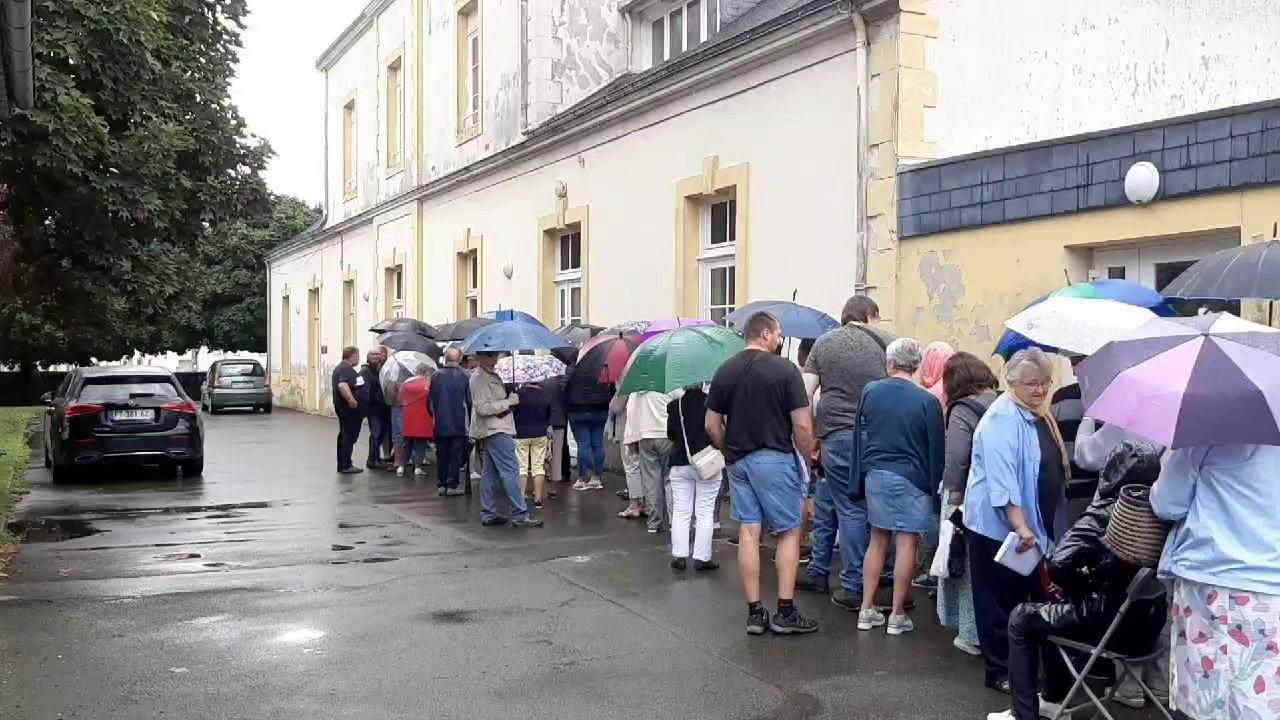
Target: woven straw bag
1135, 534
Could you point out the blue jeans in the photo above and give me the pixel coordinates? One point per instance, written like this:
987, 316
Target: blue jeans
415, 451
379, 432
839, 450
588, 433
500, 470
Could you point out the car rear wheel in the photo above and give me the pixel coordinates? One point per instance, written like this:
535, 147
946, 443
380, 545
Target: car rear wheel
47, 462
64, 473
213, 410
267, 408
192, 468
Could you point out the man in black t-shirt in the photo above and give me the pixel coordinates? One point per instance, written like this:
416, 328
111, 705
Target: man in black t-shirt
758, 416
346, 405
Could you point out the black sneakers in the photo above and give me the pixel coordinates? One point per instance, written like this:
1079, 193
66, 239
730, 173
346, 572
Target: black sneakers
846, 600
705, 565
757, 621
809, 582
529, 522
679, 564
495, 520
792, 623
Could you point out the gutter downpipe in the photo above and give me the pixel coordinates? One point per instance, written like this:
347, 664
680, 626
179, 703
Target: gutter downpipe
524, 65
862, 86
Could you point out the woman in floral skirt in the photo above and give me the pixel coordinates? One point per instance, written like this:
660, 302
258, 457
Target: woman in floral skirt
1223, 556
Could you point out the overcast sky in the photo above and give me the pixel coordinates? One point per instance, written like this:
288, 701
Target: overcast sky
279, 91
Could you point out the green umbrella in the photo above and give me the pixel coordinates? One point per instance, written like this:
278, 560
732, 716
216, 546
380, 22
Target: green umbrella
679, 358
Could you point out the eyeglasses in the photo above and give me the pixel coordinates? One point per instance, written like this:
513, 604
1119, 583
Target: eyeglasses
1035, 384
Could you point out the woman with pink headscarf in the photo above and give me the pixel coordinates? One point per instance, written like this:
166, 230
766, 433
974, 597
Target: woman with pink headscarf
935, 359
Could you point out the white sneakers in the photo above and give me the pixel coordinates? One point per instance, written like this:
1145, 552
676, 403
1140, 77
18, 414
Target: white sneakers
966, 648
873, 618
400, 471
594, 484
870, 618
580, 484
1002, 715
899, 625
419, 472
1047, 711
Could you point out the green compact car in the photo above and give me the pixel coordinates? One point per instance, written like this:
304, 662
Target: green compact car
235, 383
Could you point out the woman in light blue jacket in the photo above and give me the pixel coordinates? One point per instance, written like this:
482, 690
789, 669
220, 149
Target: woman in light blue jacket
1017, 484
1223, 556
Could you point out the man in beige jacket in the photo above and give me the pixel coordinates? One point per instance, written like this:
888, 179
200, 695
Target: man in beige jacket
494, 431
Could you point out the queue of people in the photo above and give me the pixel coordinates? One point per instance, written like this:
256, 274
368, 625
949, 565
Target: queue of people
879, 445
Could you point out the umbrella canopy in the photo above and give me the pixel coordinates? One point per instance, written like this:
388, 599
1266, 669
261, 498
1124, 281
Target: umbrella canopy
406, 325
1248, 272
1077, 325
578, 333
401, 366
630, 327
798, 321
1187, 382
410, 341
462, 329
680, 358
520, 369
605, 356
660, 326
508, 315
1125, 291
512, 336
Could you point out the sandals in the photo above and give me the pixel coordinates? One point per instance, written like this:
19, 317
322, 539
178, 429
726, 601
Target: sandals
629, 513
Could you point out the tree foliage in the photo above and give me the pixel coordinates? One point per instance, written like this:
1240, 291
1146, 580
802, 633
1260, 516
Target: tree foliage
227, 308
133, 159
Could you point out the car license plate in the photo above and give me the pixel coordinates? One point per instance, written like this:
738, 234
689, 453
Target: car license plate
133, 415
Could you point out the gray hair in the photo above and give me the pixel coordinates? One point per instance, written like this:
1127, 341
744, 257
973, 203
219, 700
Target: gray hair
453, 355
1031, 358
903, 354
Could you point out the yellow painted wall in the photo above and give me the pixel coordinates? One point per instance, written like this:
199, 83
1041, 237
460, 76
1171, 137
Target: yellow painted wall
960, 286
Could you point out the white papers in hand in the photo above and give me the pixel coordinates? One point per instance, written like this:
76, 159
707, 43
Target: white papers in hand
1023, 563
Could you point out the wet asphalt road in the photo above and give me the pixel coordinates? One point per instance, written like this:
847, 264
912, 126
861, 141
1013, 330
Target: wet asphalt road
273, 588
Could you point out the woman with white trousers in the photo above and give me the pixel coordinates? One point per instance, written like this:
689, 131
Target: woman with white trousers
693, 498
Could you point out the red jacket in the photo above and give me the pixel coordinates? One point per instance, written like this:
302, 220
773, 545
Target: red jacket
417, 418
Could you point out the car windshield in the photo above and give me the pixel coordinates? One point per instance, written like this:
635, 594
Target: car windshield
240, 370
121, 389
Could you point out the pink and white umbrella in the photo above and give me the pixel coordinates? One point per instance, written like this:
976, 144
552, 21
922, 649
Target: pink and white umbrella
1189, 382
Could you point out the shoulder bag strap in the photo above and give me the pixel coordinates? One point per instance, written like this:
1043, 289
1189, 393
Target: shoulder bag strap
871, 334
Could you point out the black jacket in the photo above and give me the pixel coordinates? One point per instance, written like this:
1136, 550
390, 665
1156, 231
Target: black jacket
694, 406
583, 393
1092, 580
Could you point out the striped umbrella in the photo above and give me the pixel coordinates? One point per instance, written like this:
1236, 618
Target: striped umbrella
1213, 379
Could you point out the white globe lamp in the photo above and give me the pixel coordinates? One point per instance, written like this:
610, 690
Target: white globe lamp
1141, 183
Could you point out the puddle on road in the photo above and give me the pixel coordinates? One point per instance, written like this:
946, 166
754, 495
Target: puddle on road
179, 556
337, 546
378, 559
52, 529
452, 617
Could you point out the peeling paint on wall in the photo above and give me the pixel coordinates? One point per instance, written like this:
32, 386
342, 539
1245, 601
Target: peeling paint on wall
944, 283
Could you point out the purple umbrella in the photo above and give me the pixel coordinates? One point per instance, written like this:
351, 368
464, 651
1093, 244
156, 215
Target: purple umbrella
1189, 382
657, 327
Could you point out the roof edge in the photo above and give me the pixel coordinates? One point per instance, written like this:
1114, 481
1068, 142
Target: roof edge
351, 33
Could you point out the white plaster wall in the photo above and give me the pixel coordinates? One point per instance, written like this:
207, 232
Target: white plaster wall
1018, 72
794, 133
360, 72
364, 253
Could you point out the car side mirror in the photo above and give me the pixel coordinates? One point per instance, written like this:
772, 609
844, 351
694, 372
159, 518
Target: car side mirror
47, 398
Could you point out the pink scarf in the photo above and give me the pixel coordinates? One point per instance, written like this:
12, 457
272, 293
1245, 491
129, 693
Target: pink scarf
935, 359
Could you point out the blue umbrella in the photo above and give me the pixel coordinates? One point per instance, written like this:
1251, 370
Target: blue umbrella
1125, 291
798, 321
512, 336
508, 315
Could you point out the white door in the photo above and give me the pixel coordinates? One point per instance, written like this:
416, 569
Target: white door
1156, 264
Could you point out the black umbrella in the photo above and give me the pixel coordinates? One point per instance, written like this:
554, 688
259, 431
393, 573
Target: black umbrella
605, 357
410, 341
1248, 272
578, 333
406, 325
462, 329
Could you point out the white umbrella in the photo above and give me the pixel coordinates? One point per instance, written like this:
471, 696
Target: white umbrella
400, 367
520, 369
1078, 325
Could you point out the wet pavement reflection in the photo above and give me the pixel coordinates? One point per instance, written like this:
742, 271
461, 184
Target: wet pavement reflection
273, 588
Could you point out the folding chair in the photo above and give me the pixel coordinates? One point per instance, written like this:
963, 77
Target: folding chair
1144, 586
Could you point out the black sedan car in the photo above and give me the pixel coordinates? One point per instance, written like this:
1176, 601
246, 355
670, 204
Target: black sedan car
130, 415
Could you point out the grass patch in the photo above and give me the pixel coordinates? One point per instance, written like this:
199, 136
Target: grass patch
14, 454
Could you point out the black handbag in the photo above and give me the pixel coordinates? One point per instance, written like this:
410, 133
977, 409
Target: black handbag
957, 556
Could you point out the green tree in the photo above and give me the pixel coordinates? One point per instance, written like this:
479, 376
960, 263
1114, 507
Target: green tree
227, 308
133, 158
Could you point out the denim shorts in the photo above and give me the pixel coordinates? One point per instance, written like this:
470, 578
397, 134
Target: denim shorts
397, 424
766, 487
893, 503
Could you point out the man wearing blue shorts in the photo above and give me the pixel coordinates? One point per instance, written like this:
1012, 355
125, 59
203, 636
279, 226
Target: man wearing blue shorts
758, 416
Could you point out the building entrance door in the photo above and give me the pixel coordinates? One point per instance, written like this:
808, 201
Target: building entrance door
1156, 264
313, 349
